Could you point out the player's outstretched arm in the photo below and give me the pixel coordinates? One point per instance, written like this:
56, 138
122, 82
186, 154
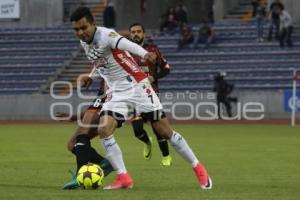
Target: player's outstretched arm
125, 44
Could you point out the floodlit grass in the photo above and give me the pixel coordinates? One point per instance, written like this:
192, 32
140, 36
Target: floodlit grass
245, 162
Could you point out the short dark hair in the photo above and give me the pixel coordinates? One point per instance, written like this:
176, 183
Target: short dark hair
137, 24
81, 12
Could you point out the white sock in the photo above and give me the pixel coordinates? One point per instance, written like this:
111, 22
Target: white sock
183, 149
114, 154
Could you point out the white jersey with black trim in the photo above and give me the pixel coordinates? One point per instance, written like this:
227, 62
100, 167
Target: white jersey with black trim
109, 55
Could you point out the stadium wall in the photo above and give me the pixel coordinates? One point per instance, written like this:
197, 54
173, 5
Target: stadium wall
183, 105
36, 13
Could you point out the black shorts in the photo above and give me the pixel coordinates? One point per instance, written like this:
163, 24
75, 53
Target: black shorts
153, 116
117, 116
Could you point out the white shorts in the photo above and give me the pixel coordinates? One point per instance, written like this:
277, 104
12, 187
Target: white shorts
133, 102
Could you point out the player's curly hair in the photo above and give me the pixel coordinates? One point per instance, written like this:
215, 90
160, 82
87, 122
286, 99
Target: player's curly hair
81, 12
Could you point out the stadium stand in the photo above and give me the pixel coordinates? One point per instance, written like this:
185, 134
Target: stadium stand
249, 65
32, 58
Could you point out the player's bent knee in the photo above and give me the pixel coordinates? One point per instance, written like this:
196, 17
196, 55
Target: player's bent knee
105, 131
82, 130
70, 145
72, 141
166, 136
163, 129
162, 132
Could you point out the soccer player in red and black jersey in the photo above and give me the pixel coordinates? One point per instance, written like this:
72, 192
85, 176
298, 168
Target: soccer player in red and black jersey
155, 71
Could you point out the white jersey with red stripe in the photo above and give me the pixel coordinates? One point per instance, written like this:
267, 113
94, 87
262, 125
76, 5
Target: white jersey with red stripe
114, 65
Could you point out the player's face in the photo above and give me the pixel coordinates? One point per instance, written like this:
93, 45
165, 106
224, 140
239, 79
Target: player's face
137, 34
84, 30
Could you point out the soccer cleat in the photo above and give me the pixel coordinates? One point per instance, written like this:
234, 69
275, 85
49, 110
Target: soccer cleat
202, 176
166, 161
122, 181
73, 184
148, 149
106, 167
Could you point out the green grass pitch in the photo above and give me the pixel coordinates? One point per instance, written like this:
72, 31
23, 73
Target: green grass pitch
257, 162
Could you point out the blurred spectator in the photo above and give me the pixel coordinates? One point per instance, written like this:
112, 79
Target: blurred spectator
109, 15
260, 14
168, 21
82, 2
286, 27
223, 90
211, 8
180, 14
205, 35
186, 36
254, 4
274, 19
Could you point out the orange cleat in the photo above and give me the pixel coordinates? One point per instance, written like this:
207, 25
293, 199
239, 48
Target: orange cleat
202, 176
122, 181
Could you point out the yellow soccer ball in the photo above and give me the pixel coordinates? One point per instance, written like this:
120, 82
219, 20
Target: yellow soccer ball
90, 176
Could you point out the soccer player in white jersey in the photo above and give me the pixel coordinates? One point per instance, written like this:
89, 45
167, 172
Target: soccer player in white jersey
131, 93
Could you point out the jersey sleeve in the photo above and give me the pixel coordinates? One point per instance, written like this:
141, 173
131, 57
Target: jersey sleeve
132, 47
116, 41
112, 38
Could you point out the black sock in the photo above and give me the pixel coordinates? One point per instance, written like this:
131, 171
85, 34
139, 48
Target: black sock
84, 152
163, 144
139, 131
